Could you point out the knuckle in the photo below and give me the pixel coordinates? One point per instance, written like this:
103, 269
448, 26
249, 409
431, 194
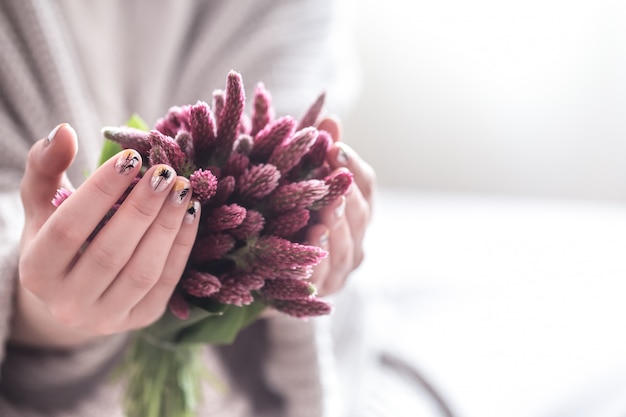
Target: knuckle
104, 256
142, 278
63, 230
143, 210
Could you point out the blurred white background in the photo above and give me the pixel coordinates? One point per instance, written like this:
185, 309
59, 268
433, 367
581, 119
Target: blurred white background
488, 96
495, 257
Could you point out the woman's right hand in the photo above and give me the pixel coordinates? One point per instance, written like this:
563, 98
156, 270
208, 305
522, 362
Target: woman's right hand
70, 293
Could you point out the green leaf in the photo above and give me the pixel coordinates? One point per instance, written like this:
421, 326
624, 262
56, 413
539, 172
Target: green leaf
109, 149
223, 329
137, 122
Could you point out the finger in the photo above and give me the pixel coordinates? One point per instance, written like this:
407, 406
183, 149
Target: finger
318, 235
358, 213
332, 125
340, 247
58, 242
114, 245
47, 162
153, 305
341, 155
149, 259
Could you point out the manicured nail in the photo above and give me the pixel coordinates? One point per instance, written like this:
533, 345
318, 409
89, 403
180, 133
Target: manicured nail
342, 155
127, 161
54, 132
192, 211
179, 191
341, 208
162, 176
324, 239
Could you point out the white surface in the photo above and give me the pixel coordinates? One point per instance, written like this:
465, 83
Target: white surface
523, 98
510, 307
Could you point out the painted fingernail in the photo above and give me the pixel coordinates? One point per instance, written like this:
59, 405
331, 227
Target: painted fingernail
127, 161
192, 211
342, 155
341, 208
179, 191
162, 177
324, 239
54, 132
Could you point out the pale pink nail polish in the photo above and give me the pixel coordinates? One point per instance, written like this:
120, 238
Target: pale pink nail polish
162, 177
323, 243
127, 161
54, 132
342, 155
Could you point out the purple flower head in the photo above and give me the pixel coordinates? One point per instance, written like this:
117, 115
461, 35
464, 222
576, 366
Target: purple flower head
314, 158
338, 183
176, 119
234, 292
313, 113
303, 308
225, 188
225, 217
295, 195
165, 150
243, 144
288, 289
236, 165
60, 196
211, 246
129, 138
272, 135
204, 185
288, 155
218, 104
287, 224
282, 253
200, 284
269, 272
251, 226
230, 116
178, 306
258, 181
202, 126
262, 112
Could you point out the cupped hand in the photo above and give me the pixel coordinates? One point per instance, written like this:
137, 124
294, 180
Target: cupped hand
71, 291
343, 223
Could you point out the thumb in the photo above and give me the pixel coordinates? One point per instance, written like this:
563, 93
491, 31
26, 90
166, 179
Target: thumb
47, 162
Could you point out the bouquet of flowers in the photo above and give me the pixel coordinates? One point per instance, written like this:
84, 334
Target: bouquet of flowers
260, 181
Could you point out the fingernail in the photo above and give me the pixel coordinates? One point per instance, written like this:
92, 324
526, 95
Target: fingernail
54, 132
192, 211
127, 161
342, 155
341, 208
162, 176
179, 191
324, 239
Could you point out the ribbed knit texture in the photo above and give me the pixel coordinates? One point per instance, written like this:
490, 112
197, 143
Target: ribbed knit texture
93, 63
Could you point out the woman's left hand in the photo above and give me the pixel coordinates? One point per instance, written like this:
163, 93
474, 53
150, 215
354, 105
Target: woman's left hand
342, 223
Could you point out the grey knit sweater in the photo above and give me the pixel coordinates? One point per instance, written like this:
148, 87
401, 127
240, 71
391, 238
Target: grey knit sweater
93, 63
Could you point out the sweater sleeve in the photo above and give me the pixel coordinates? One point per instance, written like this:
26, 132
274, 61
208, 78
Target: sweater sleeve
38, 89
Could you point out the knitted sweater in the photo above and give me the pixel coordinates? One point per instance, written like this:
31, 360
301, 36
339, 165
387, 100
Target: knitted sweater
93, 63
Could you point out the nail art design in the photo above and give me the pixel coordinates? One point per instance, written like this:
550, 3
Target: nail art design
162, 177
192, 211
128, 160
53, 133
324, 239
342, 155
180, 190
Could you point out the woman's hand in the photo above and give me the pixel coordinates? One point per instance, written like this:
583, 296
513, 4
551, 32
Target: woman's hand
71, 292
343, 223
